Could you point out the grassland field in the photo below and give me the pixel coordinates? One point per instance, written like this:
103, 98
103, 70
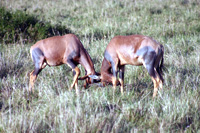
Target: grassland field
53, 108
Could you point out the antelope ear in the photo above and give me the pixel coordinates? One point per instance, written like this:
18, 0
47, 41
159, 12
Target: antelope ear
95, 77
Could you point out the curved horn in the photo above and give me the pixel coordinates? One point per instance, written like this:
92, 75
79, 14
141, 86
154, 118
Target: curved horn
83, 78
95, 77
90, 76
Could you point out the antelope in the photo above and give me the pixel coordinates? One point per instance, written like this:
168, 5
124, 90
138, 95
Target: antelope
134, 50
58, 50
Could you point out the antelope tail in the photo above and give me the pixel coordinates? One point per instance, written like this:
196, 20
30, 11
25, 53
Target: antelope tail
162, 61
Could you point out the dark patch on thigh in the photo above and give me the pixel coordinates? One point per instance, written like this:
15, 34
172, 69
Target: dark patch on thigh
149, 56
150, 69
71, 59
73, 55
110, 59
36, 55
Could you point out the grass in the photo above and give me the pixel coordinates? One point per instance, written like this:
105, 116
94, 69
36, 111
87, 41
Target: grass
53, 108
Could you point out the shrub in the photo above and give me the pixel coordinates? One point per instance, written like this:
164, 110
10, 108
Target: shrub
19, 26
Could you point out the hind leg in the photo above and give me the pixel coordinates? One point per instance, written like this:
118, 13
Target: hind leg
114, 64
160, 77
149, 63
33, 77
39, 65
156, 82
113, 60
155, 78
159, 64
76, 73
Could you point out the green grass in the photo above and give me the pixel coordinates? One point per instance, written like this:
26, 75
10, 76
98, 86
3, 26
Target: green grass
53, 108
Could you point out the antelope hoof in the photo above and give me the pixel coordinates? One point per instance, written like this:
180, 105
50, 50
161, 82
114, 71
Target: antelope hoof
77, 92
154, 95
31, 90
70, 88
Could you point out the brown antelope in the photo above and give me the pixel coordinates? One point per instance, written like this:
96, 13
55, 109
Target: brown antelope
58, 50
134, 50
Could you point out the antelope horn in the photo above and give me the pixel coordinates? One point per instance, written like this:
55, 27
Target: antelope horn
83, 78
95, 77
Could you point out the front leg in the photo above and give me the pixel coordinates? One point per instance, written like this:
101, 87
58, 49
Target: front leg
114, 70
76, 73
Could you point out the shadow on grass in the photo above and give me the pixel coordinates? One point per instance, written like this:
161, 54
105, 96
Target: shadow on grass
184, 123
10, 69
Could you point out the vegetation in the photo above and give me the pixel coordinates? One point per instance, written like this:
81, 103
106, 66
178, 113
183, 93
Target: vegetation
53, 108
19, 26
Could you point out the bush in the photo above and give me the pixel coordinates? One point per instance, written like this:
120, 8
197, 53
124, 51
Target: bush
19, 26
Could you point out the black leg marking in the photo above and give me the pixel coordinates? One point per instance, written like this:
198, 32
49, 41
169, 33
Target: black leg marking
71, 63
159, 73
151, 70
121, 72
114, 71
36, 71
121, 77
149, 59
159, 67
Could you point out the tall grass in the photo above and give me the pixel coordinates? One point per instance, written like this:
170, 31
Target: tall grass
53, 108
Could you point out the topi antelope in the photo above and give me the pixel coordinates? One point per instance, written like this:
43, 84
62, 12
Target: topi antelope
58, 50
133, 50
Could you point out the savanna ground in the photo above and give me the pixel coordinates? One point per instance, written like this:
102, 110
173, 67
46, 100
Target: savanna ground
53, 108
